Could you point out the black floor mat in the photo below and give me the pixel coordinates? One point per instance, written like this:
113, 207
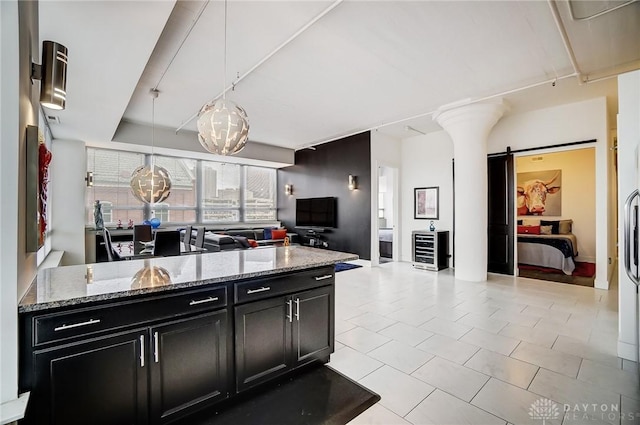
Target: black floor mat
319, 395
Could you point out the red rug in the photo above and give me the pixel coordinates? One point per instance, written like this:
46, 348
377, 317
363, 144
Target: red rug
582, 269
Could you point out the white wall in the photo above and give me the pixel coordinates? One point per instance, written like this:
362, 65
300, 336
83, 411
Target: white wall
8, 191
564, 124
426, 162
68, 200
18, 44
628, 138
578, 189
385, 151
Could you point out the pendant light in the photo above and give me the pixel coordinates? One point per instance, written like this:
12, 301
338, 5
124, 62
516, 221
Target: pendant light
223, 126
151, 183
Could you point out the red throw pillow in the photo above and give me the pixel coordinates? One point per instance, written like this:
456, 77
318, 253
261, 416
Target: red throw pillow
278, 233
529, 230
253, 243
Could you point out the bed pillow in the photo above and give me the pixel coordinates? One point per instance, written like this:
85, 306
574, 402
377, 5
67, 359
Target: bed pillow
519, 222
565, 227
278, 233
546, 230
554, 225
530, 222
529, 230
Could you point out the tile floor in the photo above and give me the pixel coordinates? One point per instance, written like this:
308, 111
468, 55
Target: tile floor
447, 352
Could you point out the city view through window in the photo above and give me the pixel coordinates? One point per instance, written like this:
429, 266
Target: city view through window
201, 191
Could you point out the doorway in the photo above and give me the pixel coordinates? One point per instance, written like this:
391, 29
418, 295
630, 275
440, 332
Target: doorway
387, 214
556, 216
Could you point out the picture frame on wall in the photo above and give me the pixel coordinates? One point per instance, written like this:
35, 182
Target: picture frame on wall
426, 203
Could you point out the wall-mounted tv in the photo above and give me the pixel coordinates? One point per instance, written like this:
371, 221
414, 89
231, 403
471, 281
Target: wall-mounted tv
316, 212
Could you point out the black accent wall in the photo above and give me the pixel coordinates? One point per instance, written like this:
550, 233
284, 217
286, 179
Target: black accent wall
325, 172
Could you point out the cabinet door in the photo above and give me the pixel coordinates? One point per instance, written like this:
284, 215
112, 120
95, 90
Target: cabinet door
189, 365
263, 341
313, 325
101, 381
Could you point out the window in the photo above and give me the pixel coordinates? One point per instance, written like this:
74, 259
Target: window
161, 211
220, 192
107, 211
111, 176
260, 194
201, 191
182, 201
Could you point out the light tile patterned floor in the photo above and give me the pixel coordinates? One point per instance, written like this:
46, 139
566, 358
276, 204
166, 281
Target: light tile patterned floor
448, 352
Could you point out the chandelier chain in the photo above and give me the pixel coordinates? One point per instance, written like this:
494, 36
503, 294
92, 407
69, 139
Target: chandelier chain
224, 71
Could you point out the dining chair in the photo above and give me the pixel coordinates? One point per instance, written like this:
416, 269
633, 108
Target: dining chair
112, 255
187, 235
200, 237
142, 233
167, 243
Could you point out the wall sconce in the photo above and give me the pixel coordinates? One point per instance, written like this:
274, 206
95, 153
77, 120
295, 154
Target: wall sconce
288, 189
353, 182
52, 74
89, 179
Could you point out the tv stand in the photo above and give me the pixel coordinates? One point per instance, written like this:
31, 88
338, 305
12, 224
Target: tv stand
315, 239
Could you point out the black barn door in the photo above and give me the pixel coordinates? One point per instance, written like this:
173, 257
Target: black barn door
500, 204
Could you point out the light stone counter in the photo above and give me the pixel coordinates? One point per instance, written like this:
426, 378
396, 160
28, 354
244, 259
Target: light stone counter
72, 285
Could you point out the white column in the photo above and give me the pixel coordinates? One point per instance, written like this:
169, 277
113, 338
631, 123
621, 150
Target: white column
469, 127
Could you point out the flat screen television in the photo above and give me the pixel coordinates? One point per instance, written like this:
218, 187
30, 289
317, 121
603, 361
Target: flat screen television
316, 212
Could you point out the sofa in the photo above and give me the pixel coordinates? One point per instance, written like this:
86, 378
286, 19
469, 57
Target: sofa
227, 239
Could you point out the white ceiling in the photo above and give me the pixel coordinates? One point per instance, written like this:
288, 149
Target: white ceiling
361, 65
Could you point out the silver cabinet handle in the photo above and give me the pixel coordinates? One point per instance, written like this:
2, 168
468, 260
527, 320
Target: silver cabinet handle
77, 325
290, 315
298, 309
326, 276
141, 350
156, 352
626, 241
206, 300
253, 291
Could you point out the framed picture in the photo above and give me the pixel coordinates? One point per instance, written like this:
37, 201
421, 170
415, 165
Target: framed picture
425, 203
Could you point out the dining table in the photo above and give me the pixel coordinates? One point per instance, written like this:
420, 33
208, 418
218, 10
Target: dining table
133, 250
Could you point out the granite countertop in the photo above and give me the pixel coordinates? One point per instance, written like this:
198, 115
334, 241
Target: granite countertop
73, 285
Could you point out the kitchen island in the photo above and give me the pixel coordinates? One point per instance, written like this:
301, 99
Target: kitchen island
152, 341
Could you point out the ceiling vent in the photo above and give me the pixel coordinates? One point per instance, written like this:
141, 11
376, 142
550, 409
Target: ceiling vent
53, 119
537, 158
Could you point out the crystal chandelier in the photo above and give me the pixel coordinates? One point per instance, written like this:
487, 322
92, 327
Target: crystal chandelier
151, 183
223, 126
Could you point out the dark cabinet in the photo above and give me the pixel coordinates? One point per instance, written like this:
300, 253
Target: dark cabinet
313, 324
276, 335
101, 381
159, 358
189, 365
177, 367
263, 341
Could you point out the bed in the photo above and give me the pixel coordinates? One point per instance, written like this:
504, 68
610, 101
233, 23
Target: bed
385, 237
552, 251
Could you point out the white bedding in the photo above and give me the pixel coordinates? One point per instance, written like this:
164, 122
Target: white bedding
385, 235
537, 254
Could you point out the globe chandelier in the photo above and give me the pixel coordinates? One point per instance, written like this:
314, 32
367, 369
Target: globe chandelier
223, 126
151, 183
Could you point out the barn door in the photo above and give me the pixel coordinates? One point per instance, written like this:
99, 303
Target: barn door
500, 214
